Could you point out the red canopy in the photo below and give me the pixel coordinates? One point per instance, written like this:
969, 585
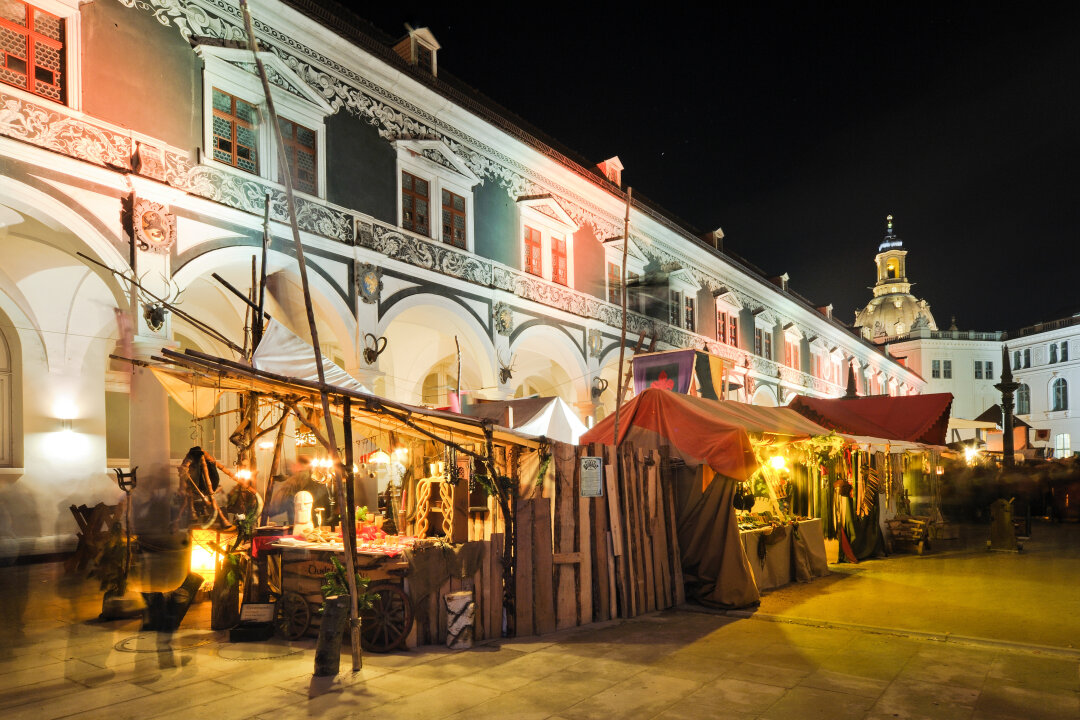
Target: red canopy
915, 418
691, 426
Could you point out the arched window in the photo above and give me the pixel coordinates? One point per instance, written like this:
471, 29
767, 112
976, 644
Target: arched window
1023, 400
1059, 392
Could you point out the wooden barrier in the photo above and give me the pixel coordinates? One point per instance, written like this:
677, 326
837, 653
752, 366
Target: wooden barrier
586, 559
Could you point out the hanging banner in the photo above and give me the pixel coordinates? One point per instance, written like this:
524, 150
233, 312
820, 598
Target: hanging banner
667, 371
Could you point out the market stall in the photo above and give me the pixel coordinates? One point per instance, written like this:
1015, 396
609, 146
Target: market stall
887, 489
437, 495
719, 451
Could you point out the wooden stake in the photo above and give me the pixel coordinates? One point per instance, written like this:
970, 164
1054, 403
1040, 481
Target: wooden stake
622, 295
286, 177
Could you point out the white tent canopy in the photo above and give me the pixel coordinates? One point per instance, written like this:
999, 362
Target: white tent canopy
282, 352
556, 421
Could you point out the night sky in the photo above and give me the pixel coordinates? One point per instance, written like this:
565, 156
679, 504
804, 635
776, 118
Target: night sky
798, 129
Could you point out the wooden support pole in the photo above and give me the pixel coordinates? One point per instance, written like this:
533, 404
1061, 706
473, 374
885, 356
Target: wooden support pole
622, 296
286, 177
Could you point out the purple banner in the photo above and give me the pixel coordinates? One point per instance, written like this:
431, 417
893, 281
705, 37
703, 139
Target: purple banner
668, 371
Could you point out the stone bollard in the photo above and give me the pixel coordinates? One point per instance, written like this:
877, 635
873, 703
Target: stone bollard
460, 612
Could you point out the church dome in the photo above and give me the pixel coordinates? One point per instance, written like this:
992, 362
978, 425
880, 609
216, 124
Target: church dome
894, 310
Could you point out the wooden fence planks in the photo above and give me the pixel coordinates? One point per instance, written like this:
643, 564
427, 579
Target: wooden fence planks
523, 612
564, 528
543, 568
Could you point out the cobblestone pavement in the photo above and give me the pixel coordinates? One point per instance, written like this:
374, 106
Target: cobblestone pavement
781, 663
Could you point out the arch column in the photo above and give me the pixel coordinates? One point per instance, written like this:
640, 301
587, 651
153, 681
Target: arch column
149, 403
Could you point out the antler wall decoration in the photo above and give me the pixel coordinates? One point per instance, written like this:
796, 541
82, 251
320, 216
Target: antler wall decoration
373, 348
599, 385
154, 310
506, 369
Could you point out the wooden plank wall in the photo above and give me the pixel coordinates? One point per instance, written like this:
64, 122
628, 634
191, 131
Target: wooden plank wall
581, 560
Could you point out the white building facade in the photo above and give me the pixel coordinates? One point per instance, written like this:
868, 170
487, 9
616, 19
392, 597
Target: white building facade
430, 221
1046, 364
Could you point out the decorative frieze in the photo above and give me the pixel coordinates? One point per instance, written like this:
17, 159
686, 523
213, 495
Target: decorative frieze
54, 130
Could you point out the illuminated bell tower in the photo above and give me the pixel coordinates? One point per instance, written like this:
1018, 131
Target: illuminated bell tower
891, 270
893, 311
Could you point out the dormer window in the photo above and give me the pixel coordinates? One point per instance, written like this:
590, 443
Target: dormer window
419, 48
612, 169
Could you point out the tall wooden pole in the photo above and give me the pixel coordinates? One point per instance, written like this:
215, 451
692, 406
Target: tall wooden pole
622, 301
286, 176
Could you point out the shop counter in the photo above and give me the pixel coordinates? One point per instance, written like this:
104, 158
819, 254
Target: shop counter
785, 554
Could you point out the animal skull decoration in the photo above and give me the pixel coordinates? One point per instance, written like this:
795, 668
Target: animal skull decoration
598, 388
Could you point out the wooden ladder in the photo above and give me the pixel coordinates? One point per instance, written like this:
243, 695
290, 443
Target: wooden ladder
629, 374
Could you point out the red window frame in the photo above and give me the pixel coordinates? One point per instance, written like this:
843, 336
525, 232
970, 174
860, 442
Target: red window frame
411, 197
31, 80
533, 250
455, 229
303, 180
614, 280
559, 267
235, 121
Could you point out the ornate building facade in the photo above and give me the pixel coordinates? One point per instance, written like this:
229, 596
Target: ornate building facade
132, 142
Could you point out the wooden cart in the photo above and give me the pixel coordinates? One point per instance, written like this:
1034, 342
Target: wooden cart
297, 574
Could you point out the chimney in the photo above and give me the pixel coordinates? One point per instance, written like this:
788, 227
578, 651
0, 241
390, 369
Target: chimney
419, 48
612, 169
826, 310
714, 239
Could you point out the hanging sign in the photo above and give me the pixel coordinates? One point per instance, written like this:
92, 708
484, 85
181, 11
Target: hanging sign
592, 476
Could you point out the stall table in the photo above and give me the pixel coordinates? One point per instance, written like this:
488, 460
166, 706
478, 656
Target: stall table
297, 569
782, 555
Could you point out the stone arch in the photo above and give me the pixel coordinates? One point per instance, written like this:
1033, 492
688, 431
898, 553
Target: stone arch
420, 331
210, 301
764, 396
550, 362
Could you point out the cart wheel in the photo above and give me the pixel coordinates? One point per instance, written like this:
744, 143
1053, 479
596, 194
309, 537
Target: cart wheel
292, 616
386, 625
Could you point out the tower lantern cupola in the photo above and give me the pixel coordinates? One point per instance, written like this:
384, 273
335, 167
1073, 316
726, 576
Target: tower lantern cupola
893, 311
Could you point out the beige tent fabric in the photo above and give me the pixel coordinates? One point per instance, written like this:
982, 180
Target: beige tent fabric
196, 400
715, 567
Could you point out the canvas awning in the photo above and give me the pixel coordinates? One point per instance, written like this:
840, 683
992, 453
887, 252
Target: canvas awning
916, 418
690, 426
376, 413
